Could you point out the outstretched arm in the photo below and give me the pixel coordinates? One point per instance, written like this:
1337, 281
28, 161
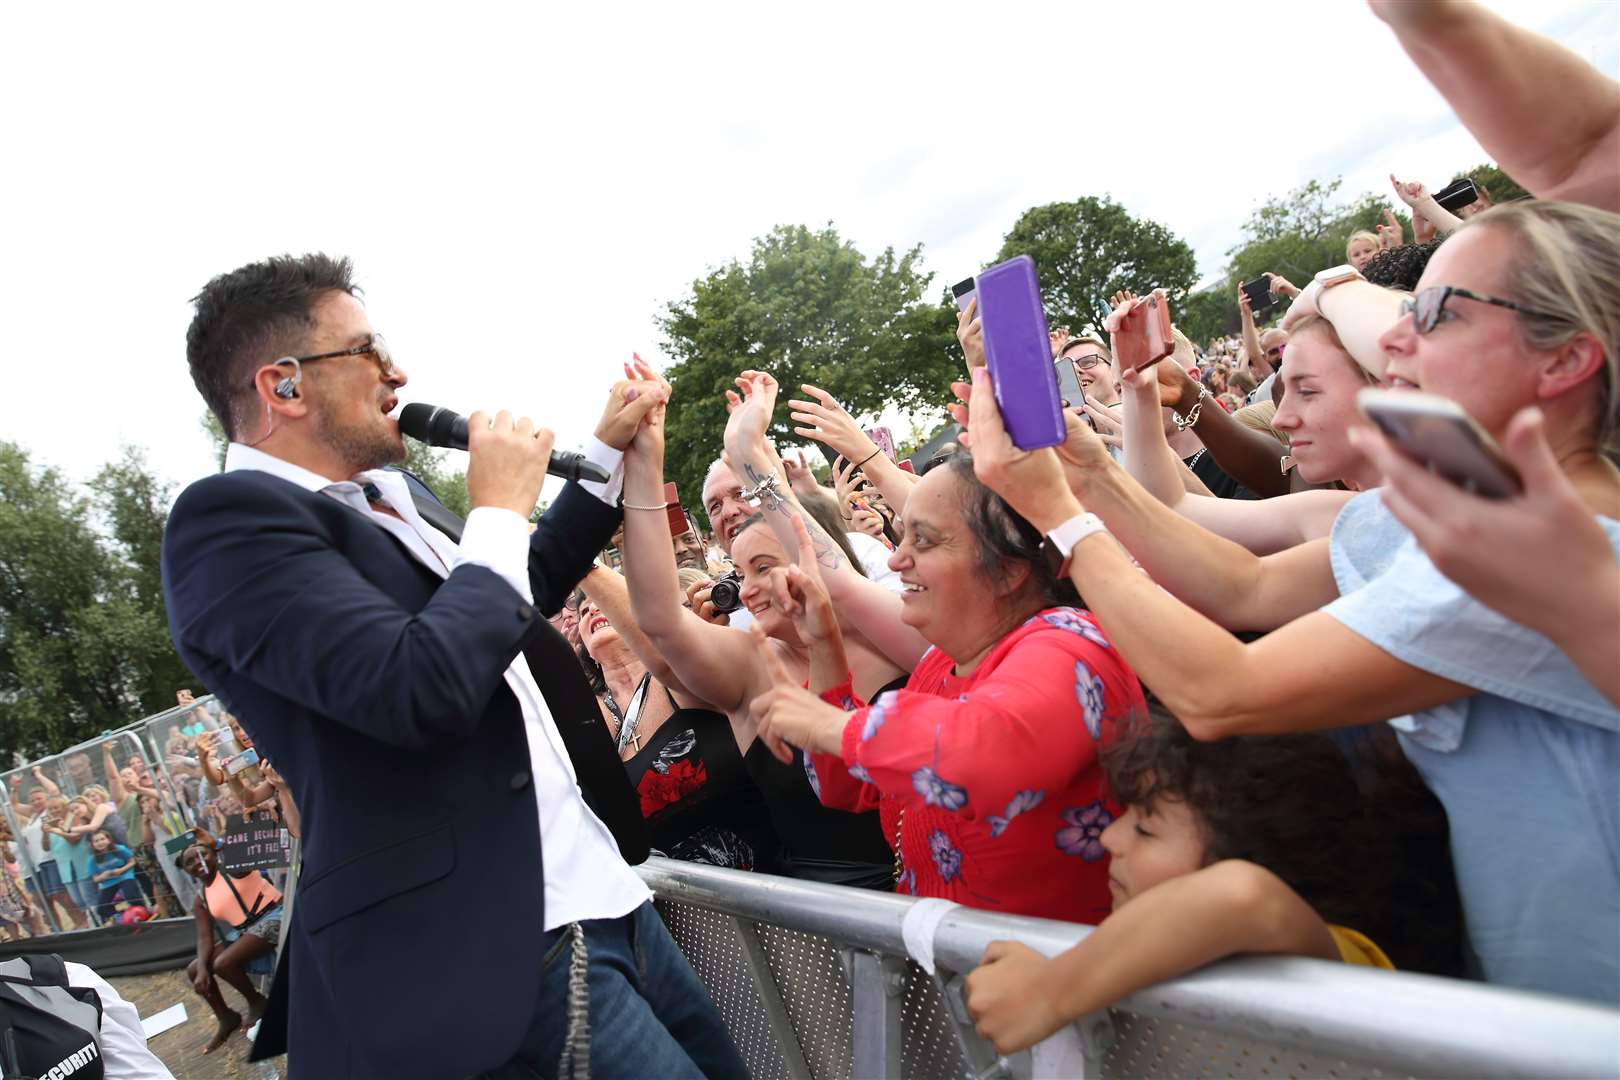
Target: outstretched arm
1215, 684
865, 605
1019, 997
608, 591
1548, 118
713, 662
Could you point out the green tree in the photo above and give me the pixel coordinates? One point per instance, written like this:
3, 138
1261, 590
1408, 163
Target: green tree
807, 307
433, 468
84, 642
1088, 249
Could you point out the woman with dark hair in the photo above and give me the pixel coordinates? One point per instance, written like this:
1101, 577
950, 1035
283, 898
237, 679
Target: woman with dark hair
984, 766
1253, 845
684, 759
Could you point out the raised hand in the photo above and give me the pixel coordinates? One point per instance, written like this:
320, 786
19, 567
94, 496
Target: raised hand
1060, 339
787, 714
799, 593
1276, 283
846, 483
751, 410
1390, 234
970, 333
1411, 192
631, 403
799, 476
1032, 481
828, 422
1105, 421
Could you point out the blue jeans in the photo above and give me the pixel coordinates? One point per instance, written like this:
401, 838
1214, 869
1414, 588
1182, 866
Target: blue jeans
649, 1014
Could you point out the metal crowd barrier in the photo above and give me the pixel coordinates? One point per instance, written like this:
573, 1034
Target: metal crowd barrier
165, 745
814, 982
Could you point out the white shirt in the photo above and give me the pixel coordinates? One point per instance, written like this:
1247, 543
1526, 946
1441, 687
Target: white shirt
33, 835
874, 556
585, 876
124, 1055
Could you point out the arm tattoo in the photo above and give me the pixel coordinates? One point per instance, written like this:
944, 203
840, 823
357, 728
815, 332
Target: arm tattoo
827, 551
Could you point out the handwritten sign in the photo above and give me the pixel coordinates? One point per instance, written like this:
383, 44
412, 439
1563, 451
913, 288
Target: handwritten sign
252, 844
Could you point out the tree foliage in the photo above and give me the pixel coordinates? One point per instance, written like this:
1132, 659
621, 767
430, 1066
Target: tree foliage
807, 306
84, 639
1088, 249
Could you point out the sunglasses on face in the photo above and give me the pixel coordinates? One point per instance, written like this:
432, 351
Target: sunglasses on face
1427, 307
375, 346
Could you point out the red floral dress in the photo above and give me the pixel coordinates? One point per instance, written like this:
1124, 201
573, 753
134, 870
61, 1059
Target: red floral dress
996, 774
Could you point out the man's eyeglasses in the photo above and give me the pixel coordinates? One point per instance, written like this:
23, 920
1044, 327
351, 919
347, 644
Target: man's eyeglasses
1427, 306
1089, 361
375, 345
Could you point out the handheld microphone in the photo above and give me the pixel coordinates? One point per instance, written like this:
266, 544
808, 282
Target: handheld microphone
441, 427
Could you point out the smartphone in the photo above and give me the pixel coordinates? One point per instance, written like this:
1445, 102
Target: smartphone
1259, 293
1069, 382
908, 466
1457, 194
1144, 339
963, 291
1018, 352
884, 438
1437, 433
245, 759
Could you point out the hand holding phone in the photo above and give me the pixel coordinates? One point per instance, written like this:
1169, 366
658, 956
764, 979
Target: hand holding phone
1141, 331
1437, 433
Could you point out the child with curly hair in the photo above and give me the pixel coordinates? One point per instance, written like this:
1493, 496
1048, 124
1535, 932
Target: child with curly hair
1262, 844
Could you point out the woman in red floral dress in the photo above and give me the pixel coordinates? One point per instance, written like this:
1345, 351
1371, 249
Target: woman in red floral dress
984, 767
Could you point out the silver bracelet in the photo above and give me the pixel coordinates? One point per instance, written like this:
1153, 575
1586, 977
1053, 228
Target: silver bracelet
1182, 424
768, 484
633, 506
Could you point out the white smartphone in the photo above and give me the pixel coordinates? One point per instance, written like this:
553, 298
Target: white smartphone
1436, 432
963, 291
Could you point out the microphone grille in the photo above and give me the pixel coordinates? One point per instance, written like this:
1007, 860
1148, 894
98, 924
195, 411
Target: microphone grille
416, 419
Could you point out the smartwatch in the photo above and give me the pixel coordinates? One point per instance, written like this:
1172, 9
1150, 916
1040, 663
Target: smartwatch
1058, 547
1336, 275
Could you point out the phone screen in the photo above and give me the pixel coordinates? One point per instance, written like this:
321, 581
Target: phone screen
1069, 382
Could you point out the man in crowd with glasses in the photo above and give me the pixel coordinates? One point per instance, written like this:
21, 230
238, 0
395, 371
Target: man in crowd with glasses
1094, 366
488, 924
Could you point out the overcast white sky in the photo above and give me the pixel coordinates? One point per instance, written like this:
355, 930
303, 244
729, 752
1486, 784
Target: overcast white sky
523, 190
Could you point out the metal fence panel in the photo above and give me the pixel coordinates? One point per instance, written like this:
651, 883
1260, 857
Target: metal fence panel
1251, 1017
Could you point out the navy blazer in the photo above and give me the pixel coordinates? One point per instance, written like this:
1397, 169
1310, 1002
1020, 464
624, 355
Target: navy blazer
377, 689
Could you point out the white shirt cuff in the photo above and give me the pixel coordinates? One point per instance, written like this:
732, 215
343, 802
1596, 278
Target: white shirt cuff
499, 539
600, 453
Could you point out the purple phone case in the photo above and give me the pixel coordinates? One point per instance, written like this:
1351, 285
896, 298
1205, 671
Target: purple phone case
1018, 352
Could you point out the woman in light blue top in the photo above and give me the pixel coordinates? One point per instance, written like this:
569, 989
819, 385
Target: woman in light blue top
1520, 307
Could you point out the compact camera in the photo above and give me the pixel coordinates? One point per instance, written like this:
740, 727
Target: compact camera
726, 594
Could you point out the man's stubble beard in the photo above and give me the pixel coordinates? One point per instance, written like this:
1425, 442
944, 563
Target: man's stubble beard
360, 449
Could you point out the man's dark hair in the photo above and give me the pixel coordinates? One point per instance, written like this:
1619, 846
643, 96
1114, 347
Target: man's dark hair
1400, 268
253, 315
1295, 804
1001, 535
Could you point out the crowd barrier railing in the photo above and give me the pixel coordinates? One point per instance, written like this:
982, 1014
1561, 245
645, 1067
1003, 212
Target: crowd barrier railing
815, 981
50, 873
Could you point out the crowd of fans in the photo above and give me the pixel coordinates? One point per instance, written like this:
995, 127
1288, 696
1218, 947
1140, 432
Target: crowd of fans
104, 835
1225, 672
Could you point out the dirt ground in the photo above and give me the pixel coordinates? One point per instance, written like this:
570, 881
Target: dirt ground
181, 1048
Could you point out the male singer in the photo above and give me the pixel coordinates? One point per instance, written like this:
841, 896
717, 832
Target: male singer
458, 896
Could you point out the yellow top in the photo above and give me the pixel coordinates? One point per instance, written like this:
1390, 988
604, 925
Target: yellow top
1355, 948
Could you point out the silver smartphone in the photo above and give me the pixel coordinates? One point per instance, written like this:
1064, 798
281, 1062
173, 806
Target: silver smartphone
1437, 433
